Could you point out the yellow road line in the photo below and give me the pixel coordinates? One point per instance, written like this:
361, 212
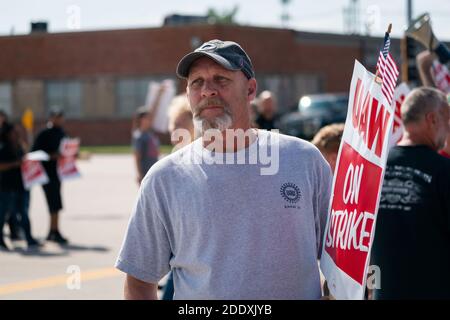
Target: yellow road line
58, 280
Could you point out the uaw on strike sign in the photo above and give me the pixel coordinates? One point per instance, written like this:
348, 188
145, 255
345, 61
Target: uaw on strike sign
356, 187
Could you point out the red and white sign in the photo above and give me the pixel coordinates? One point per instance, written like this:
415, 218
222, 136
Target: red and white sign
33, 173
397, 127
441, 76
356, 187
67, 168
69, 147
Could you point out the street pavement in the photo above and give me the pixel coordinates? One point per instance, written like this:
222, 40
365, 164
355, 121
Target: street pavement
96, 210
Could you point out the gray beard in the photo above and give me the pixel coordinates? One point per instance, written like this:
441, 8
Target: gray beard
221, 123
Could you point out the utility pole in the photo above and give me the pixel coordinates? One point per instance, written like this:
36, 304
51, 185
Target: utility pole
285, 14
409, 12
351, 14
409, 51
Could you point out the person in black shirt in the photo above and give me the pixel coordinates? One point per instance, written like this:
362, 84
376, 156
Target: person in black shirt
49, 140
12, 222
412, 237
14, 199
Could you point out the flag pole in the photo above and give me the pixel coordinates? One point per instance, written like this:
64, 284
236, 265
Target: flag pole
377, 78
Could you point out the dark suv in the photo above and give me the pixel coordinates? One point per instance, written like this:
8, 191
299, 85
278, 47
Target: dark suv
314, 112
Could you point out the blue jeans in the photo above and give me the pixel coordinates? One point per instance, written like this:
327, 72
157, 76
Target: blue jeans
168, 289
16, 203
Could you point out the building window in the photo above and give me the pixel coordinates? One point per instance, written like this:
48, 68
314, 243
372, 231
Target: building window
5, 98
67, 95
132, 93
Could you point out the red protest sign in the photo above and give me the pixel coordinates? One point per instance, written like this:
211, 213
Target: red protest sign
69, 147
397, 127
353, 213
33, 173
356, 187
441, 76
67, 168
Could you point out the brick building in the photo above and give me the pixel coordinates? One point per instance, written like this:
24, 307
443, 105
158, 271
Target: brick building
100, 77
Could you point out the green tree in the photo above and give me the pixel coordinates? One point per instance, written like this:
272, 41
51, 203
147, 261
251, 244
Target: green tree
224, 17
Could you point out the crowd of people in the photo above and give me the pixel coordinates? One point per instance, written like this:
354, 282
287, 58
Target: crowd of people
14, 197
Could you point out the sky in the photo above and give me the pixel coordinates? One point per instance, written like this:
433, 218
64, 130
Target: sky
305, 15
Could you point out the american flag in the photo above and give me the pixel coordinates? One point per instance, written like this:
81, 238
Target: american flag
387, 70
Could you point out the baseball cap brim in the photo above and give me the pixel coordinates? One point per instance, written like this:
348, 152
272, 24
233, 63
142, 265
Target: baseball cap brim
185, 63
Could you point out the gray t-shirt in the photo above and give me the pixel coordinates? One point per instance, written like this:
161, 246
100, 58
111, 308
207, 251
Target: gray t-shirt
227, 231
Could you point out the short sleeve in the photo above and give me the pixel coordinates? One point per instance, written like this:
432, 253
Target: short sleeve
146, 252
137, 141
322, 200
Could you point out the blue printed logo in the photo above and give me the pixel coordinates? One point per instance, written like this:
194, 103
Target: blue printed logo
290, 192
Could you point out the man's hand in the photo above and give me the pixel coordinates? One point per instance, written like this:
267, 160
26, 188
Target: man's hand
136, 289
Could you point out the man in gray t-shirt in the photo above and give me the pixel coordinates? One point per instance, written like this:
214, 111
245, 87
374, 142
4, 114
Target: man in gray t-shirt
232, 218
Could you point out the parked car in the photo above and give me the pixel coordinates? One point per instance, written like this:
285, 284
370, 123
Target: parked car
314, 112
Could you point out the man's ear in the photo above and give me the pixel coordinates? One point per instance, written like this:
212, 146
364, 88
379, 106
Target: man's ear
252, 86
432, 118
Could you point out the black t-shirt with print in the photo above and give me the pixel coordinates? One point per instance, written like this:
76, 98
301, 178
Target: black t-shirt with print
412, 237
267, 124
11, 179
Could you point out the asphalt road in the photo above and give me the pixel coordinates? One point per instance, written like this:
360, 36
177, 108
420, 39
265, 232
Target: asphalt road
95, 216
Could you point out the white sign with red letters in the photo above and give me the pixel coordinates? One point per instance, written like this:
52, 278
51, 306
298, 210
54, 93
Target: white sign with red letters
67, 168
33, 173
441, 76
400, 93
356, 187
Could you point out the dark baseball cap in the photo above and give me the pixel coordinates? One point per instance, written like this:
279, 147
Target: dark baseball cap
55, 111
228, 54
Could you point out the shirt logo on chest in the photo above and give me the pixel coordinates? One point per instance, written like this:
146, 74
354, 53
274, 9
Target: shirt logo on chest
290, 192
